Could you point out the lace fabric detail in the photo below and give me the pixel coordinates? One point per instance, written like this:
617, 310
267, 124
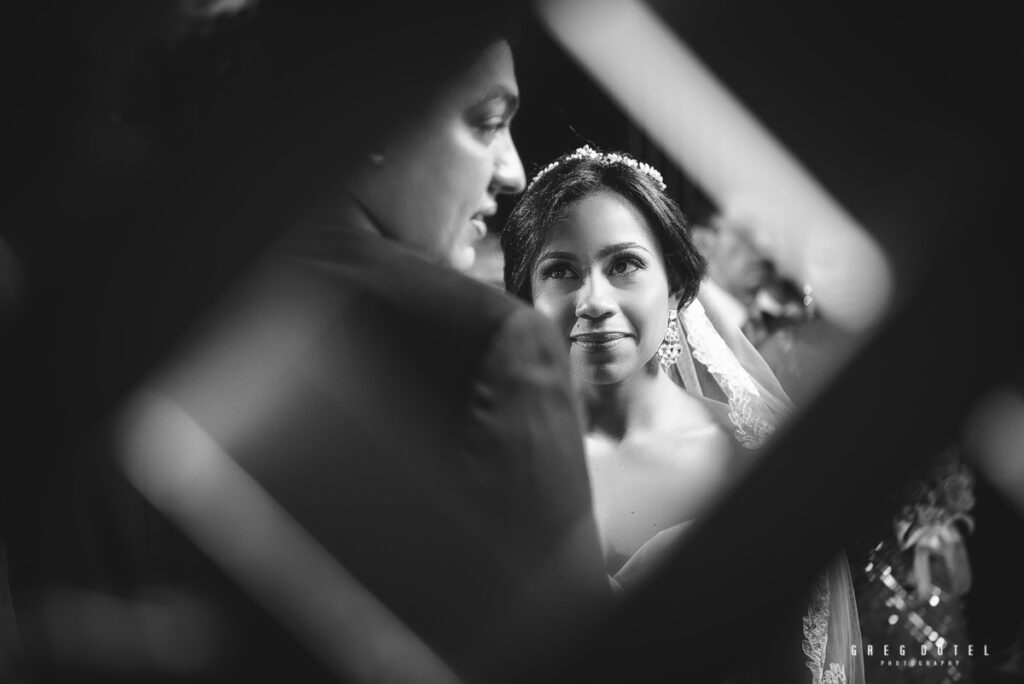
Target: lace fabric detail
834, 675
755, 404
816, 636
708, 347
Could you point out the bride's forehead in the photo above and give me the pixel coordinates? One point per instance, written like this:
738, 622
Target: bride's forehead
599, 220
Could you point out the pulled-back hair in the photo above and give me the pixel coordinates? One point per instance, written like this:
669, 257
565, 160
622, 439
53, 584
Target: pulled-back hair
573, 177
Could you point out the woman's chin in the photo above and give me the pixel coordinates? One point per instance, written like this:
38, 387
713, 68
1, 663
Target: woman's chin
462, 258
599, 373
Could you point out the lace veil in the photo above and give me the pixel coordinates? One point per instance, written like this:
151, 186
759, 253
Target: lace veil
719, 363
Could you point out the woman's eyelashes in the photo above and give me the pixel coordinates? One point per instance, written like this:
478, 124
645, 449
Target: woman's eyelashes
493, 115
557, 270
491, 127
625, 264
619, 265
490, 124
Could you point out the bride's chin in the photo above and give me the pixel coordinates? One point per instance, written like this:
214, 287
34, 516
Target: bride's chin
593, 374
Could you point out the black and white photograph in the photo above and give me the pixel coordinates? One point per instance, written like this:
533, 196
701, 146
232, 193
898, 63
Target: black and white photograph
510, 341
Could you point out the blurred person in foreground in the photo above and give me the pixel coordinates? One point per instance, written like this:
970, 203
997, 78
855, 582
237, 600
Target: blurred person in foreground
677, 404
358, 463
776, 312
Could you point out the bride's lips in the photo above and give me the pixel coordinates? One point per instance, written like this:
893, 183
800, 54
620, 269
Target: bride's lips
598, 341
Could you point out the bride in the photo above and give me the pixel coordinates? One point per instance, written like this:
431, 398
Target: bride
675, 404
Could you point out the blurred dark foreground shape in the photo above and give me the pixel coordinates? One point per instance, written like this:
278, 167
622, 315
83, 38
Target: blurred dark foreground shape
279, 446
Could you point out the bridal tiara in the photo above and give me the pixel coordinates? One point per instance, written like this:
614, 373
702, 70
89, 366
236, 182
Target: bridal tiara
606, 159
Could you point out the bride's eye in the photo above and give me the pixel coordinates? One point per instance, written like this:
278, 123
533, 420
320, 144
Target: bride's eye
556, 271
625, 265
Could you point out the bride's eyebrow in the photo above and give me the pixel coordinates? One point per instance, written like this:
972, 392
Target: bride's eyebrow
557, 255
619, 247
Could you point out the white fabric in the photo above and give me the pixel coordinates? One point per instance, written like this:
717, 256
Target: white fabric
747, 407
730, 309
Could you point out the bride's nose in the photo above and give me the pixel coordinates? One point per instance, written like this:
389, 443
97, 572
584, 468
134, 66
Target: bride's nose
594, 300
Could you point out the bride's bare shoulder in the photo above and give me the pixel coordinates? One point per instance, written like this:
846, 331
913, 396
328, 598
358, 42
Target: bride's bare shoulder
685, 415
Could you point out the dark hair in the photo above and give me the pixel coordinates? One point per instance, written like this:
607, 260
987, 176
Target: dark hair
326, 65
571, 180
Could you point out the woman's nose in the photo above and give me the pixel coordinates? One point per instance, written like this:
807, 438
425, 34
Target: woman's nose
509, 176
594, 300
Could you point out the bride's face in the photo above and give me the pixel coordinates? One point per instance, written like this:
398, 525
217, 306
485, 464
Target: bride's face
601, 278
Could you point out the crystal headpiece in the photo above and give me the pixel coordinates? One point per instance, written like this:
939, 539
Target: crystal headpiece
604, 158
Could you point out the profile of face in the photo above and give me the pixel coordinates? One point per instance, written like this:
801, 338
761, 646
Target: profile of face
601, 278
439, 178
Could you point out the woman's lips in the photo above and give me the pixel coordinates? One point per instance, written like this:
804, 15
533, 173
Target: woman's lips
480, 225
600, 341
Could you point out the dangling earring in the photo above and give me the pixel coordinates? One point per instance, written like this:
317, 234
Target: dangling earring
671, 347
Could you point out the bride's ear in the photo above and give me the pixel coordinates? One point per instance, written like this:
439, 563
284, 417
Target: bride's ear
674, 298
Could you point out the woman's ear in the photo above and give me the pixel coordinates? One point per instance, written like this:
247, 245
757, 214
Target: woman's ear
674, 299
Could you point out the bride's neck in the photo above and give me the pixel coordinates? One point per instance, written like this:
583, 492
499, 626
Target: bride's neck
613, 411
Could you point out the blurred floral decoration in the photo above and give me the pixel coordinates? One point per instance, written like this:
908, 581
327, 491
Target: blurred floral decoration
912, 574
932, 527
